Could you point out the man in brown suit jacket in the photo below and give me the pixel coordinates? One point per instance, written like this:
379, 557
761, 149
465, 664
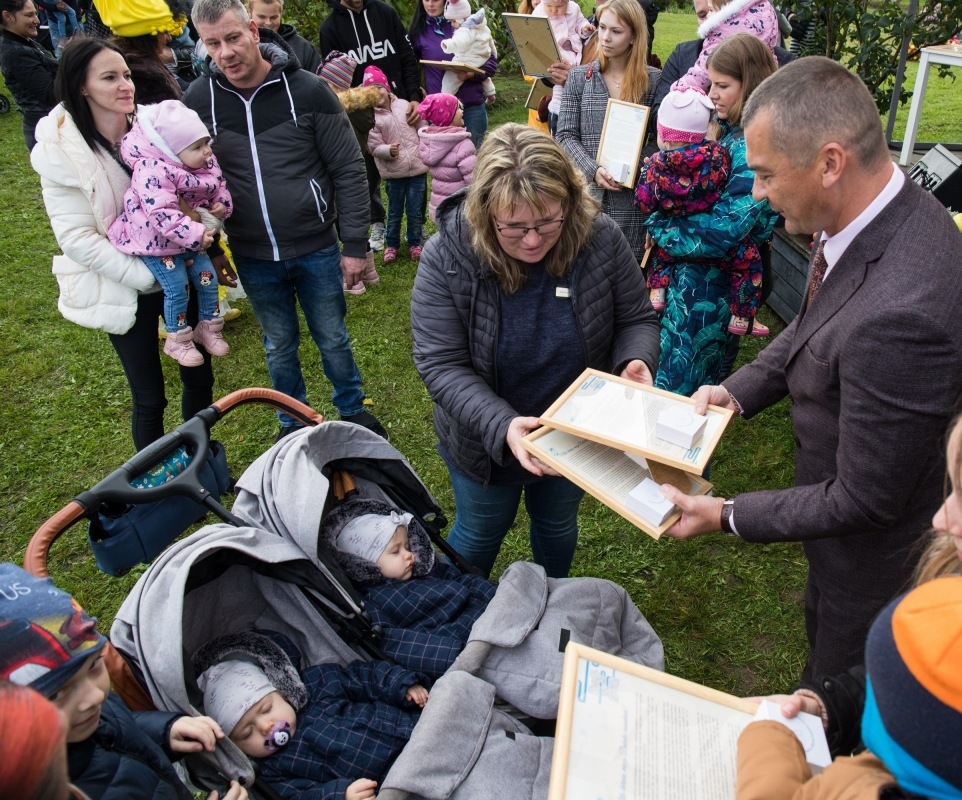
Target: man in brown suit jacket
872, 363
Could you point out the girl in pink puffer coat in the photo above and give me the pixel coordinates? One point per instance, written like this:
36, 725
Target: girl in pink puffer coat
445, 146
168, 151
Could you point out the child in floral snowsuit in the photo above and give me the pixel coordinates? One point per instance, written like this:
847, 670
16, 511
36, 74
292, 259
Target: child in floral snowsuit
756, 17
687, 176
168, 150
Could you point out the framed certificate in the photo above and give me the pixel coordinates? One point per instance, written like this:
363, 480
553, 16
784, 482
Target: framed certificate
534, 42
609, 474
625, 415
452, 65
622, 136
538, 91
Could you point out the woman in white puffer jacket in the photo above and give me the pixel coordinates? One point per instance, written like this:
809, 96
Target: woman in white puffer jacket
84, 181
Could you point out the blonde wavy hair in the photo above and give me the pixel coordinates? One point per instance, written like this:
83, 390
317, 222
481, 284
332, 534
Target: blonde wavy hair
941, 558
634, 84
516, 166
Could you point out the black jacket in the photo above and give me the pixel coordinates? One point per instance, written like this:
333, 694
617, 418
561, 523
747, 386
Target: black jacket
29, 71
374, 36
307, 159
127, 757
303, 49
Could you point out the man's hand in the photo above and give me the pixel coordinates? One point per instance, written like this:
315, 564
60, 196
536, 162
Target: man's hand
219, 210
194, 734
417, 694
224, 270
412, 117
637, 371
352, 268
362, 789
714, 395
517, 430
698, 514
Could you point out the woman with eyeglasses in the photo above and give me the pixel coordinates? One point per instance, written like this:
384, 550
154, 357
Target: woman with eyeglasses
427, 30
525, 285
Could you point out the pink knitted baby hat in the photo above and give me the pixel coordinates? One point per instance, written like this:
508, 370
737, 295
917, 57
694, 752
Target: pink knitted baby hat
374, 76
177, 125
439, 109
684, 115
457, 10
338, 70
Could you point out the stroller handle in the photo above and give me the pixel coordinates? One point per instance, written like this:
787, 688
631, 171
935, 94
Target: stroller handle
116, 488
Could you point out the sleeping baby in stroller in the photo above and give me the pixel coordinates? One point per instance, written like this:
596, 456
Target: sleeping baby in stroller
330, 732
425, 607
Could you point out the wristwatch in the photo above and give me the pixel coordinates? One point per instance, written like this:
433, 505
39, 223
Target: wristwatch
726, 516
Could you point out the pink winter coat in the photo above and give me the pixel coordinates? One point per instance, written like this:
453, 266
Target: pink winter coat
449, 154
756, 17
390, 126
152, 223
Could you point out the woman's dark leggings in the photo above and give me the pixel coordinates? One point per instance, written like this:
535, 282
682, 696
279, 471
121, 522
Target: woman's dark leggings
139, 352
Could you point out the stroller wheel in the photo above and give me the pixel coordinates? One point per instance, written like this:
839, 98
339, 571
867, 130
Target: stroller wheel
4, 104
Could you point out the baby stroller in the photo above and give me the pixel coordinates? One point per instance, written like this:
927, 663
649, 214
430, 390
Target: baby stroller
268, 570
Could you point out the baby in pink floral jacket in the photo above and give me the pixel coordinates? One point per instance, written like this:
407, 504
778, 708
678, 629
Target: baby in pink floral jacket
168, 150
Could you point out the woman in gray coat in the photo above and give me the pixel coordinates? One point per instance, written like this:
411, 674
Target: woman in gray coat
524, 286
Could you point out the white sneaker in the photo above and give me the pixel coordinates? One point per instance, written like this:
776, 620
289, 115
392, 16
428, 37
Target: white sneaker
377, 236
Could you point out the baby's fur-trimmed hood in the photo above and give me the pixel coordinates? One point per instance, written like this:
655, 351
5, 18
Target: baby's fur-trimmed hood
359, 569
261, 651
359, 97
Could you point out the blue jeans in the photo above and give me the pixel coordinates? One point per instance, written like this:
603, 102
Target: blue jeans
485, 513
405, 194
476, 122
172, 274
274, 288
57, 22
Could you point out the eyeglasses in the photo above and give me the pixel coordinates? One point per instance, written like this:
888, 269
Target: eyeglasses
519, 231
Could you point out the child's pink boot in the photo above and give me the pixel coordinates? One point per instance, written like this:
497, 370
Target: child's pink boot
208, 334
180, 347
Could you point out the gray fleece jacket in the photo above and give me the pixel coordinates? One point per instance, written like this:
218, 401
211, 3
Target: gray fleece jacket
455, 318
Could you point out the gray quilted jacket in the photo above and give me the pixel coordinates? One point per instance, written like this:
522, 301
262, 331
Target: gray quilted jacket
455, 318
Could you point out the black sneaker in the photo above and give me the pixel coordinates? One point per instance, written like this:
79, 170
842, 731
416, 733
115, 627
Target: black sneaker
367, 420
286, 430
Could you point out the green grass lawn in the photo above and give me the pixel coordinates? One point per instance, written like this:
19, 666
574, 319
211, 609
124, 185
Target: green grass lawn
729, 613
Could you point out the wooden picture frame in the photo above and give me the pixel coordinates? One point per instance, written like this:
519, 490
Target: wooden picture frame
534, 42
538, 91
452, 65
626, 730
622, 414
622, 137
609, 474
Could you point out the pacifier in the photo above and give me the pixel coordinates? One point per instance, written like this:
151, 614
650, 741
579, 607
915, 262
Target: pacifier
279, 737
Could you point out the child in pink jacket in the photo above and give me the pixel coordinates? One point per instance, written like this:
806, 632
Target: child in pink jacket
168, 149
394, 145
445, 147
756, 17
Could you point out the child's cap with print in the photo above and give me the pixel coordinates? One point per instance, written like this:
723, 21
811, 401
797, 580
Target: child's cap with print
366, 536
338, 69
231, 688
45, 636
439, 109
374, 76
684, 115
913, 696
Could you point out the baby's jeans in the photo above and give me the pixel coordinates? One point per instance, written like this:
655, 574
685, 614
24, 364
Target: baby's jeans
173, 274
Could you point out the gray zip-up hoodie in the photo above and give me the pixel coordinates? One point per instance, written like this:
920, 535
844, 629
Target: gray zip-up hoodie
288, 154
